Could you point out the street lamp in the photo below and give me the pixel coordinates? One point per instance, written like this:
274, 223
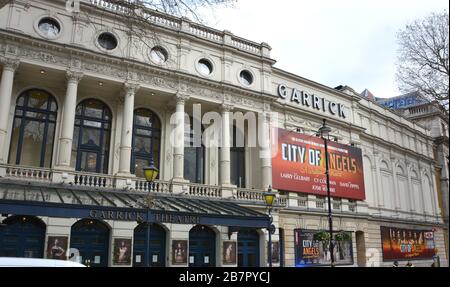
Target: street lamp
269, 197
324, 133
150, 173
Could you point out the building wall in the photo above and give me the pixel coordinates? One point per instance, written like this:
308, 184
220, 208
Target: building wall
398, 154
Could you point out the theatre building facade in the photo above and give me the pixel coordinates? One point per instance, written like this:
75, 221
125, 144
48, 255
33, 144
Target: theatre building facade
86, 103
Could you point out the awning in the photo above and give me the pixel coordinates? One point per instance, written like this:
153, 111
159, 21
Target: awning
61, 200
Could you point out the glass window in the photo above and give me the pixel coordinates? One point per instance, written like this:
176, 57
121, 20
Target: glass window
205, 67
49, 27
237, 157
246, 78
159, 55
107, 41
146, 141
33, 129
194, 157
91, 137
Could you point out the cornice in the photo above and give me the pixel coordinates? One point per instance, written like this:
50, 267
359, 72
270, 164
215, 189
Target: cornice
412, 153
64, 57
391, 120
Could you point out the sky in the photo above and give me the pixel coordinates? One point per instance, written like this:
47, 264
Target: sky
340, 42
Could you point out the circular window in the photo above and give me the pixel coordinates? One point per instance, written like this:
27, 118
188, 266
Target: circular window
246, 78
49, 27
107, 41
205, 67
159, 55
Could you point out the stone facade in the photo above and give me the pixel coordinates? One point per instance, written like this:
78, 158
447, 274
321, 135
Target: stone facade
399, 165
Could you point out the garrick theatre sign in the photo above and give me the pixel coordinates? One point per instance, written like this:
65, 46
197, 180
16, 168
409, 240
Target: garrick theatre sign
312, 101
159, 217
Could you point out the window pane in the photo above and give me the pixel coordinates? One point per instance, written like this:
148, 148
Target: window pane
92, 124
15, 141
93, 109
32, 143
144, 132
91, 137
38, 100
190, 164
138, 167
88, 162
142, 145
238, 167
49, 146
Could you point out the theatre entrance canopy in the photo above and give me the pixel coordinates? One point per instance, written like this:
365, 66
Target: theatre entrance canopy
21, 198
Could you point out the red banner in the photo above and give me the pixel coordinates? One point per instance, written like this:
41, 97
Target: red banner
407, 244
298, 165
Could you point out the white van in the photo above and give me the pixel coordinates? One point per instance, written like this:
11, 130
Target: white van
35, 262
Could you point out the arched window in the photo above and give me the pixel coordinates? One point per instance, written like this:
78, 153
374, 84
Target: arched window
194, 155
90, 149
146, 141
33, 130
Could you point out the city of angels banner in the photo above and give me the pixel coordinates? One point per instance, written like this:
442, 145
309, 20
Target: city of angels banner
310, 252
405, 244
298, 165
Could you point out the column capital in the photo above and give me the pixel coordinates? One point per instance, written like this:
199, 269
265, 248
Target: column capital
225, 108
131, 88
181, 98
9, 63
74, 76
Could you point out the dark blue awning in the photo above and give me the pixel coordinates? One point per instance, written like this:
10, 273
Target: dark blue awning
22, 198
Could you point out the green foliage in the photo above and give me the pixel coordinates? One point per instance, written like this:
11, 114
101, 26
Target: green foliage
324, 236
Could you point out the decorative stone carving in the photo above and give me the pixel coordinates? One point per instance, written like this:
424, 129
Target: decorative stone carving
168, 155
226, 108
9, 63
74, 76
181, 98
130, 88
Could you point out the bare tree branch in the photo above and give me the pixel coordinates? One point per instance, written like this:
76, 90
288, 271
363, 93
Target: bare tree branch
423, 58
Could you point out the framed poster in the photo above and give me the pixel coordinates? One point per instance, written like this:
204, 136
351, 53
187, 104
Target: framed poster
229, 253
122, 251
275, 252
57, 247
407, 244
310, 252
179, 252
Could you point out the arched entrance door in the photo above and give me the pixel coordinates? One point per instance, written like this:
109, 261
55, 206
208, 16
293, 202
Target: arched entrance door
248, 248
22, 236
157, 245
202, 247
91, 239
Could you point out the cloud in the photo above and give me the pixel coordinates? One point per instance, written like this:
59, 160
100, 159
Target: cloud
350, 42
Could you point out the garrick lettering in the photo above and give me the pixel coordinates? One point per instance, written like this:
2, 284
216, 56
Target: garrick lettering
312, 101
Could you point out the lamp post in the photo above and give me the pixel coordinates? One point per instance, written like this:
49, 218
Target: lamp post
324, 132
150, 173
269, 197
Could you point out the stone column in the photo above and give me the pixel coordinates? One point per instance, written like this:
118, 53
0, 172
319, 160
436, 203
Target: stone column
6, 86
127, 128
265, 152
68, 119
178, 139
225, 161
